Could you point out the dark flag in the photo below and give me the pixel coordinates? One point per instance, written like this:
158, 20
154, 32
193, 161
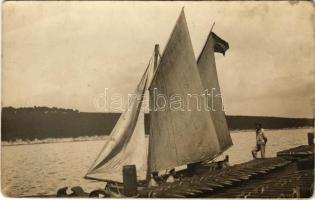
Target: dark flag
220, 45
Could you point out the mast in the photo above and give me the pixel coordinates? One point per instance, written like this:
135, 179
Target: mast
156, 56
155, 65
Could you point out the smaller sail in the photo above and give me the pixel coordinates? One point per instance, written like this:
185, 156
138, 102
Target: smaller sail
126, 144
209, 77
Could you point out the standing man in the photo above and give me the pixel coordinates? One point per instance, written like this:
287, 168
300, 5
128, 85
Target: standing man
261, 141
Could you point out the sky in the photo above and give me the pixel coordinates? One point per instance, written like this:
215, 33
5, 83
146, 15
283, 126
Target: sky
65, 54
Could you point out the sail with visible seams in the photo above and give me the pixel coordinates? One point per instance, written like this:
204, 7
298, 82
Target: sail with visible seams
179, 137
126, 144
209, 77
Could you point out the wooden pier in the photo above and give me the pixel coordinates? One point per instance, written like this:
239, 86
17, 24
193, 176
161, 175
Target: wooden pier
289, 175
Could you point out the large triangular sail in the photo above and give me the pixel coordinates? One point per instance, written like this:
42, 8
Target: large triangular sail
179, 137
209, 77
126, 144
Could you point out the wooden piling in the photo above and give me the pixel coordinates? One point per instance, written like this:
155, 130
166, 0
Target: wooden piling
130, 180
310, 138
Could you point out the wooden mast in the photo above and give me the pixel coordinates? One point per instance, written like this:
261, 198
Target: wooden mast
156, 56
155, 65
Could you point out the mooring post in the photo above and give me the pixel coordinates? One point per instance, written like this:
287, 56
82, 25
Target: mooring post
310, 138
130, 180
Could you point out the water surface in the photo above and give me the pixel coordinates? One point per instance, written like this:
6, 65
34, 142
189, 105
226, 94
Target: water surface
40, 169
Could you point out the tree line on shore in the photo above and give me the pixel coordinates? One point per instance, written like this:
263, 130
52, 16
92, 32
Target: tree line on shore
43, 122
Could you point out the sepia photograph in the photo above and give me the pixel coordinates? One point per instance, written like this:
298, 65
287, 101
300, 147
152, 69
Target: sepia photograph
157, 99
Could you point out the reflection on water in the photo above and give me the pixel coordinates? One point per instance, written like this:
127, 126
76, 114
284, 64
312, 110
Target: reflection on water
41, 169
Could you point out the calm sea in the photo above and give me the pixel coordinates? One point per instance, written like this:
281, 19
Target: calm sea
40, 169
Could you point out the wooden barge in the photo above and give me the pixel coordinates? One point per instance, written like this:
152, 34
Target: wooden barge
289, 175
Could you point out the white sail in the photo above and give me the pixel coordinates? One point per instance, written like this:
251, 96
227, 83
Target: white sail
179, 137
126, 144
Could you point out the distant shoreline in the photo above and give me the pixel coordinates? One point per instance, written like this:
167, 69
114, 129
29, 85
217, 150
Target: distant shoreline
104, 138
44, 123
